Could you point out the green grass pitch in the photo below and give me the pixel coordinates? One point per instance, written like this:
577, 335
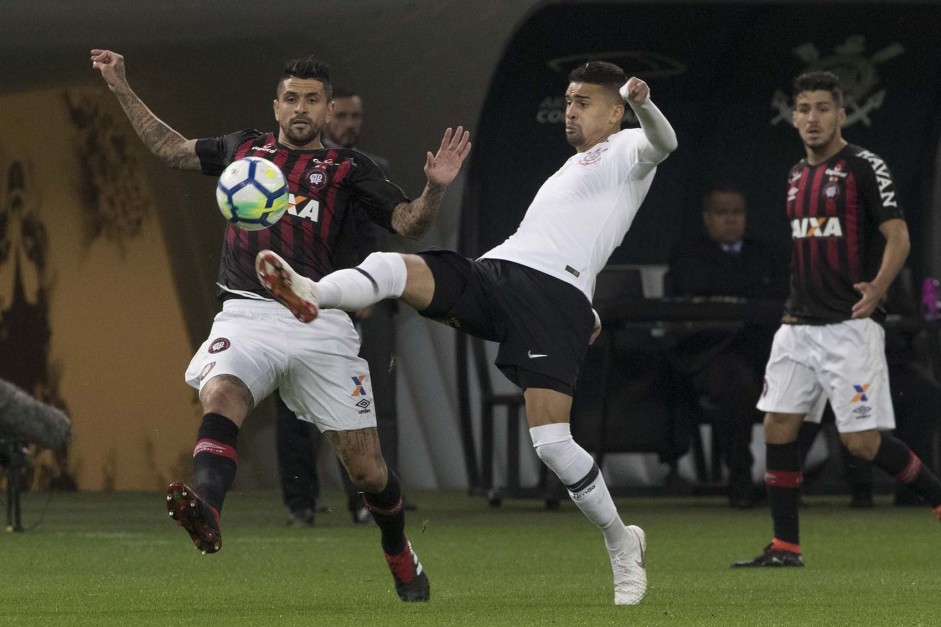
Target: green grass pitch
117, 559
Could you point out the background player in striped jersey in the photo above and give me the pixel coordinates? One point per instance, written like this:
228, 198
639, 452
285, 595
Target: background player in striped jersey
256, 346
850, 240
533, 292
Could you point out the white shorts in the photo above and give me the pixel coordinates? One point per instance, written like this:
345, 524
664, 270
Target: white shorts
316, 366
843, 363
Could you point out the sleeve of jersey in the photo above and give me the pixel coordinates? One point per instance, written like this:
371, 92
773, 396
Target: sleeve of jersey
877, 188
653, 143
375, 194
215, 153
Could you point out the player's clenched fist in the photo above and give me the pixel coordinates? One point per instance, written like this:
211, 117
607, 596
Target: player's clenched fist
110, 64
635, 91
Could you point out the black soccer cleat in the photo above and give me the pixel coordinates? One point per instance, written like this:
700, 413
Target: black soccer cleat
411, 582
195, 515
773, 558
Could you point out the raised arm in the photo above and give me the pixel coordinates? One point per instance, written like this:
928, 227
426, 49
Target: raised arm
661, 138
168, 145
897, 246
413, 219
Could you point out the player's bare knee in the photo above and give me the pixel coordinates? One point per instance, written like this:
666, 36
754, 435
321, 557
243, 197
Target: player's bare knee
863, 444
419, 283
368, 477
228, 396
782, 428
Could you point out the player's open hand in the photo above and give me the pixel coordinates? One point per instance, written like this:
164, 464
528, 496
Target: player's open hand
635, 91
111, 66
871, 296
443, 166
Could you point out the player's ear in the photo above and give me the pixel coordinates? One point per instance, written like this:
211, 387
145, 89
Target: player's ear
274, 108
330, 109
617, 113
794, 117
841, 117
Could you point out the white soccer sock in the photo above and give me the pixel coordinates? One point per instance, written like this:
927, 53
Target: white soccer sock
380, 276
581, 476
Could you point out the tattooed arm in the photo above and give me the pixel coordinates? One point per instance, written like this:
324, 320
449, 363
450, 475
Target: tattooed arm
413, 219
168, 145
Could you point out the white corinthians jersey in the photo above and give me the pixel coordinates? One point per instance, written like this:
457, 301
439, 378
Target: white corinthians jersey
582, 212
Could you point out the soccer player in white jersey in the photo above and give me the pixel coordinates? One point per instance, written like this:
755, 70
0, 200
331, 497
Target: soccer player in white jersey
532, 293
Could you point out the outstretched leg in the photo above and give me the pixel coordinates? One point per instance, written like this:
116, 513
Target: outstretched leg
380, 276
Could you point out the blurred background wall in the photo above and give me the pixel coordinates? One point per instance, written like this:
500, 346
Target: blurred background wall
127, 305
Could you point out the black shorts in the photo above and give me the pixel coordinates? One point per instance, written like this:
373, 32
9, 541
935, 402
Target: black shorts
542, 324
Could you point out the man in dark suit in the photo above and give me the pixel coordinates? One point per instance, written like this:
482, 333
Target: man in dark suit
725, 366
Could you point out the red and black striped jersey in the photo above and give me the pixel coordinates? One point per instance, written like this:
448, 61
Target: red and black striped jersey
334, 193
835, 209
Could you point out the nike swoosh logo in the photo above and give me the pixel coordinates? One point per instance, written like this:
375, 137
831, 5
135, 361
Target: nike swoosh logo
532, 356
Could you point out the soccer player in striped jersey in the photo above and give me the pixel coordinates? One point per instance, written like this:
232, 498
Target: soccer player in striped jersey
255, 346
532, 293
849, 241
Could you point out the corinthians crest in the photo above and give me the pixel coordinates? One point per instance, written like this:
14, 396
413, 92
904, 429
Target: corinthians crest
858, 77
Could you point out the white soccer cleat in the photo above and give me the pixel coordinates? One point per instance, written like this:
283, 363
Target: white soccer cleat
296, 292
630, 568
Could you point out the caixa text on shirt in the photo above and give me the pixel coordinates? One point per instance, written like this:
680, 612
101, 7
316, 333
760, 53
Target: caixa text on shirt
816, 227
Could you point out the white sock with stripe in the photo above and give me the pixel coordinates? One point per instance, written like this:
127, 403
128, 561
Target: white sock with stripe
380, 276
581, 476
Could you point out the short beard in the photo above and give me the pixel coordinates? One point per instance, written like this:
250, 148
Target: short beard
821, 141
301, 139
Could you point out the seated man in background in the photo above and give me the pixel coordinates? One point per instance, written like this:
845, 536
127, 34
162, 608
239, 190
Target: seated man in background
725, 367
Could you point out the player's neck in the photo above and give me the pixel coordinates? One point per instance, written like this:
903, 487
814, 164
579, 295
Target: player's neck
594, 141
816, 156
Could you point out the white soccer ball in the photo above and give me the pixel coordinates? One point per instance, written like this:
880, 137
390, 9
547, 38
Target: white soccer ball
252, 193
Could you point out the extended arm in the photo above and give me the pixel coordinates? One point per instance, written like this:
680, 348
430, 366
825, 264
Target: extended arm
661, 138
168, 145
413, 219
897, 245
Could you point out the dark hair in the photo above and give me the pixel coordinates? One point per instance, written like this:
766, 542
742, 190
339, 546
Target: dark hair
819, 81
721, 186
343, 92
608, 75
306, 67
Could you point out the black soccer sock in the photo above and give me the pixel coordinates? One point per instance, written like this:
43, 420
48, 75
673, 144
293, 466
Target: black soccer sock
897, 459
782, 481
215, 458
388, 510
